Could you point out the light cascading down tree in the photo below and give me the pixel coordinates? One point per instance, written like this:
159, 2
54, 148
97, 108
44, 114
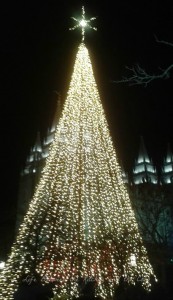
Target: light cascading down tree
80, 222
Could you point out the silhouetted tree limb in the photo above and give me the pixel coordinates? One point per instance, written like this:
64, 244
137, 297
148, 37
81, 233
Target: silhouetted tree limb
153, 212
163, 42
139, 76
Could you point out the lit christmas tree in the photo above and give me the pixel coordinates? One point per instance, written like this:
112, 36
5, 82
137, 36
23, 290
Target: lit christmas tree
80, 223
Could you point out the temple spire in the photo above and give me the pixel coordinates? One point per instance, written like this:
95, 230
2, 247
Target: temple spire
144, 171
167, 168
143, 155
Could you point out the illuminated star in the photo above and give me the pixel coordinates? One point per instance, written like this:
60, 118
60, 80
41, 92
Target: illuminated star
83, 23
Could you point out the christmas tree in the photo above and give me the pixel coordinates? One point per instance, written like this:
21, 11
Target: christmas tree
80, 223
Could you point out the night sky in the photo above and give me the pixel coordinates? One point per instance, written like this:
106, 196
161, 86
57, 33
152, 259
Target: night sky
37, 56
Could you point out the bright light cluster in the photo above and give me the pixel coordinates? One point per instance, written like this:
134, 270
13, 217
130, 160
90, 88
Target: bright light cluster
83, 23
80, 222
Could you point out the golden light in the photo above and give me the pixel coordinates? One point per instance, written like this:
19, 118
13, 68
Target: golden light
2, 265
80, 220
133, 260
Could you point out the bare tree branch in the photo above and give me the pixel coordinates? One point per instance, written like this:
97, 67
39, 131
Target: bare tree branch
163, 42
140, 77
154, 222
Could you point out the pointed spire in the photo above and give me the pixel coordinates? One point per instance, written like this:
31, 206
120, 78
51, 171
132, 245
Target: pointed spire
35, 156
51, 131
125, 175
169, 156
37, 147
57, 112
144, 170
143, 155
167, 169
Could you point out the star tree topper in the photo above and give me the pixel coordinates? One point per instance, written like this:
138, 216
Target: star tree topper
83, 23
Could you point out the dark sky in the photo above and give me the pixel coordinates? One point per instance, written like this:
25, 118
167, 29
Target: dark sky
37, 55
